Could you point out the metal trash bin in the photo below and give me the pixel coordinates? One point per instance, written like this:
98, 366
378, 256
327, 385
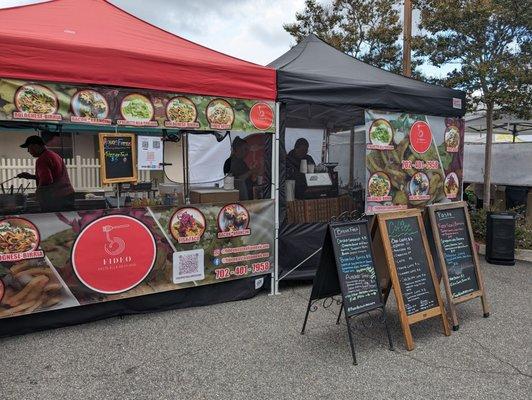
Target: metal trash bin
500, 238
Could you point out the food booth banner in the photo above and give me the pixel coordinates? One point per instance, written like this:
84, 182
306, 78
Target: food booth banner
101, 105
412, 160
59, 260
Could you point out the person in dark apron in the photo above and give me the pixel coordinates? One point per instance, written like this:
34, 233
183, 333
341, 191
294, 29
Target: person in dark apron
54, 190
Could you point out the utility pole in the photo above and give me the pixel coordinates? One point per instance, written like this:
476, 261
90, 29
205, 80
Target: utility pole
407, 38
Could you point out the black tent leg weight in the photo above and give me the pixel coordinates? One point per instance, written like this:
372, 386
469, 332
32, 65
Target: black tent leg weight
486, 315
456, 327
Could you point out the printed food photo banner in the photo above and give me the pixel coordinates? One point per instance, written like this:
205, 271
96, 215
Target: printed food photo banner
60, 260
99, 105
412, 160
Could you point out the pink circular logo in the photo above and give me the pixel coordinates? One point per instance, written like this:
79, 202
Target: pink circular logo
420, 137
113, 254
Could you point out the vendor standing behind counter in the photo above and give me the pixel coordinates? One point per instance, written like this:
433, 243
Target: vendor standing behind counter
237, 167
293, 164
54, 190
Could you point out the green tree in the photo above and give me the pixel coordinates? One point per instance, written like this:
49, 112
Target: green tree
489, 42
366, 29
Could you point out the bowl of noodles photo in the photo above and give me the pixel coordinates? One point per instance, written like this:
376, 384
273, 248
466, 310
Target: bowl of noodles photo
18, 235
136, 107
89, 103
452, 137
187, 225
36, 99
450, 185
379, 185
220, 113
419, 184
181, 109
233, 218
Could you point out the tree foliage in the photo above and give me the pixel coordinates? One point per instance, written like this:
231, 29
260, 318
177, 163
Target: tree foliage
368, 30
489, 41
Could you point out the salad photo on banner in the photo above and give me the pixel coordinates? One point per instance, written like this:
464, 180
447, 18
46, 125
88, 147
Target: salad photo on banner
412, 160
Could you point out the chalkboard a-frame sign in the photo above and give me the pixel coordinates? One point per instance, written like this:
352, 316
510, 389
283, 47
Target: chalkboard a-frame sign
459, 262
347, 268
118, 157
411, 269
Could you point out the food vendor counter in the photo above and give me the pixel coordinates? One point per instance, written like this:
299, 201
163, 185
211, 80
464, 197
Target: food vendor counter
101, 262
318, 210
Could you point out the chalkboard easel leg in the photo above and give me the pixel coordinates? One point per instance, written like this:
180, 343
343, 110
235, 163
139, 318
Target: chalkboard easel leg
339, 314
351, 340
390, 342
306, 317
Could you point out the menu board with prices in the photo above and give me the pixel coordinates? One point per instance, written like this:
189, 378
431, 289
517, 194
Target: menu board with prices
460, 267
411, 264
118, 157
411, 270
356, 271
347, 268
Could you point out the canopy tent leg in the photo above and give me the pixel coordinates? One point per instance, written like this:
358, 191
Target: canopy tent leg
275, 197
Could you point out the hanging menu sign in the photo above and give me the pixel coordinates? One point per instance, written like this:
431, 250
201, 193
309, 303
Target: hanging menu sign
118, 157
411, 265
459, 263
411, 270
356, 271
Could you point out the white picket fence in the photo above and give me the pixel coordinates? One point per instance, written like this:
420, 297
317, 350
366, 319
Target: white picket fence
84, 173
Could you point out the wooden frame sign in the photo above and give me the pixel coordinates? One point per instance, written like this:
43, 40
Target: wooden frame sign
118, 157
459, 262
347, 268
411, 269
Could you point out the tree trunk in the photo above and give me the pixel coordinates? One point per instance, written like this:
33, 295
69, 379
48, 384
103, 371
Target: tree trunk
487, 157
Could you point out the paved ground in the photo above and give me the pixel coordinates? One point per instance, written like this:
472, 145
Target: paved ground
253, 350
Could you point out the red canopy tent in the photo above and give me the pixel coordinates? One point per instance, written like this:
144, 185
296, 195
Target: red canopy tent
93, 41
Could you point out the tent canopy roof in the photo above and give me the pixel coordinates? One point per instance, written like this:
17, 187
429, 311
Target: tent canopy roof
314, 72
93, 41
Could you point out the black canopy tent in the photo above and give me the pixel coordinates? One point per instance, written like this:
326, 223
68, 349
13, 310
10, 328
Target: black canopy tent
321, 87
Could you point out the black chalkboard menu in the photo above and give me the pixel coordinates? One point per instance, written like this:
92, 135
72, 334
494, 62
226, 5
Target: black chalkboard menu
411, 264
453, 239
457, 251
347, 268
118, 157
356, 270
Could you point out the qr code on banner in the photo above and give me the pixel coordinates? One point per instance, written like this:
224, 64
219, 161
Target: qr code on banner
188, 266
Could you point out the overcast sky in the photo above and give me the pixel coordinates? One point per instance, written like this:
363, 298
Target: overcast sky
247, 29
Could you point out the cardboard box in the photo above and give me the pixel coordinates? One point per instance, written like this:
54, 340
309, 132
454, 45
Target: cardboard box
213, 195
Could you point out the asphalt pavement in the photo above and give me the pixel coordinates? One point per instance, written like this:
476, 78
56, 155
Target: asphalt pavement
253, 350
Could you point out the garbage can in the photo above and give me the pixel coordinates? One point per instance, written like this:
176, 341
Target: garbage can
500, 238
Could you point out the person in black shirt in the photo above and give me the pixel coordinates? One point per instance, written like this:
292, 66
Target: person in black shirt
237, 167
293, 163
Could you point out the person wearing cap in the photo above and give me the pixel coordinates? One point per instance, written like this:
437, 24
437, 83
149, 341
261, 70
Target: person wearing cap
54, 190
237, 167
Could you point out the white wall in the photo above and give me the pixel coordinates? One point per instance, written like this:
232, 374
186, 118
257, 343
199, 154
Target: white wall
84, 145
